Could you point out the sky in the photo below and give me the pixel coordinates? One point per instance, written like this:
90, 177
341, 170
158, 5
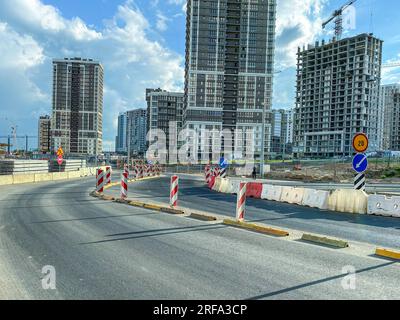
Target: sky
141, 44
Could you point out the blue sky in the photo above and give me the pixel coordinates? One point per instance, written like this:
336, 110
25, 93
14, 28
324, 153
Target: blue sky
141, 44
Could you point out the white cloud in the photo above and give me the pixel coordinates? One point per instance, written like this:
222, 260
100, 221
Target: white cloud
46, 18
298, 23
18, 51
131, 59
162, 22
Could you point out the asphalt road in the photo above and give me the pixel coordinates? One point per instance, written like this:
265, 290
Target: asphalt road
380, 231
104, 250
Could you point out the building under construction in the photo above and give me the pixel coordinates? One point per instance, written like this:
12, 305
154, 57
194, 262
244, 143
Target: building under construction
337, 96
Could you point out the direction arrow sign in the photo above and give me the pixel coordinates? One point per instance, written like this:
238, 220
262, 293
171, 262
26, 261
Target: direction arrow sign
360, 163
223, 163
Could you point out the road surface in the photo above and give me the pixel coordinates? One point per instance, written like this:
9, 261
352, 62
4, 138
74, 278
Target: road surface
105, 250
380, 231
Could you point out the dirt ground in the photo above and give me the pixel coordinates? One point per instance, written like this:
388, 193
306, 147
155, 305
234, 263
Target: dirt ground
378, 173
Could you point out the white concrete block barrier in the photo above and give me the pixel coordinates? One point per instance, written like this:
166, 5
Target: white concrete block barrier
272, 193
235, 186
225, 186
382, 205
292, 195
347, 200
217, 184
316, 199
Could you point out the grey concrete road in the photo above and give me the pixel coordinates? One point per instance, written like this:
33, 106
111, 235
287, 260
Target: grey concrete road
104, 250
380, 231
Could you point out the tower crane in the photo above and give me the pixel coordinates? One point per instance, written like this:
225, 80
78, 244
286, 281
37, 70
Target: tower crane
394, 64
337, 15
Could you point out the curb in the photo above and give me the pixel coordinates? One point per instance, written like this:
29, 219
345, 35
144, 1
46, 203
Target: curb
388, 253
256, 228
323, 240
202, 217
171, 211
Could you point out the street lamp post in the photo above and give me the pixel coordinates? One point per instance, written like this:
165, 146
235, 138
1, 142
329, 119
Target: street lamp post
262, 143
128, 138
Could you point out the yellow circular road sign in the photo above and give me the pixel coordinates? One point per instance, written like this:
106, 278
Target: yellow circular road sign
360, 142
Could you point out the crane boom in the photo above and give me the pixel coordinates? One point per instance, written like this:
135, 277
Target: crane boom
337, 14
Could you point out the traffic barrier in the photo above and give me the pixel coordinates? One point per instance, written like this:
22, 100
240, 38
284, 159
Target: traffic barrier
6, 179
211, 182
41, 177
217, 184
174, 191
71, 174
254, 190
60, 176
108, 175
234, 186
241, 201
207, 173
225, 186
100, 181
382, 205
292, 195
270, 192
124, 185
216, 172
348, 200
24, 178
316, 199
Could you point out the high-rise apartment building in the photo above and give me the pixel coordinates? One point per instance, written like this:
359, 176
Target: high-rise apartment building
136, 131
229, 65
44, 134
120, 139
389, 123
281, 133
77, 120
164, 108
337, 96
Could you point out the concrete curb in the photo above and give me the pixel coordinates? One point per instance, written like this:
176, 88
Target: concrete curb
388, 253
202, 217
172, 211
256, 228
326, 241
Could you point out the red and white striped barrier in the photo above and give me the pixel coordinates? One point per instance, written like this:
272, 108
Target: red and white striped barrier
141, 169
207, 173
135, 172
148, 170
216, 172
124, 185
241, 201
100, 180
174, 191
108, 175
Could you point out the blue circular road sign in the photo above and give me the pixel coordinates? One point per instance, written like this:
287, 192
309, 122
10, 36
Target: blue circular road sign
360, 162
223, 163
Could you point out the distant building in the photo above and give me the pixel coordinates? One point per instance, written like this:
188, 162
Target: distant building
136, 131
281, 133
77, 120
164, 107
337, 96
44, 134
389, 122
120, 139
